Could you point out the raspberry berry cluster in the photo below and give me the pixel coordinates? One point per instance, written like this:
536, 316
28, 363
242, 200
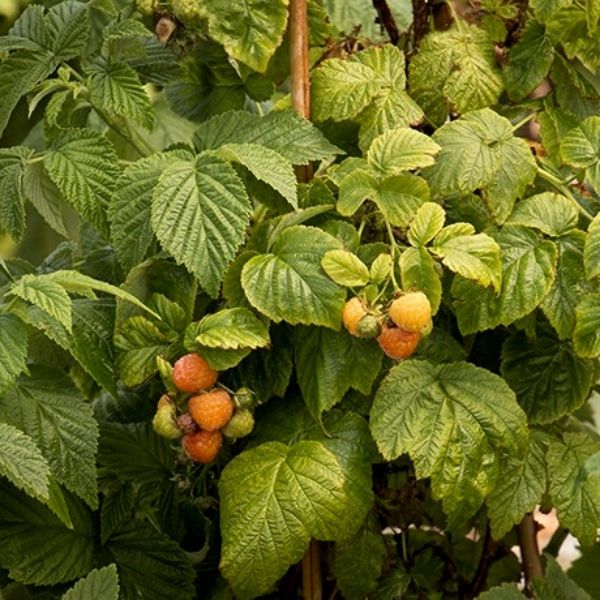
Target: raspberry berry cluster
398, 330
212, 411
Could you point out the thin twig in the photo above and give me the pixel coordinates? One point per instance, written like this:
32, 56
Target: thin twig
530, 553
386, 19
490, 553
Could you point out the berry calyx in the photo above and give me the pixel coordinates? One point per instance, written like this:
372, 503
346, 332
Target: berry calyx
202, 446
411, 312
164, 422
368, 327
398, 343
192, 374
240, 425
211, 410
353, 313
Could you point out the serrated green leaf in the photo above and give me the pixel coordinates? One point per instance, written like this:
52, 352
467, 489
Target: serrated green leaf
117, 506
584, 570
591, 251
289, 284
48, 407
427, 223
545, 8
569, 285
68, 29
266, 165
550, 380
529, 61
345, 268
398, 197
232, 329
381, 268
520, 490
506, 591
200, 212
83, 165
553, 214
36, 547
49, 296
329, 363
12, 209
528, 270
30, 25
292, 493
580, 149
450, 419
285, 132
250, 30
116, 89
418, 272
475, 257
573, 493
22, 463
99, 584
150, 563
402, 149
13, 349
556, 584
586, 336
455, 69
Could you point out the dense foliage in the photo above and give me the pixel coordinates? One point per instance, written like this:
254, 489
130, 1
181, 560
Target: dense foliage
151, 207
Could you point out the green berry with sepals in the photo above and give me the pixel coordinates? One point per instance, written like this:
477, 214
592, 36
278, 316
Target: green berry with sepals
240, 425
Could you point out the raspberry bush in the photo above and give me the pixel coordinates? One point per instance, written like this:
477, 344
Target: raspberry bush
241, 348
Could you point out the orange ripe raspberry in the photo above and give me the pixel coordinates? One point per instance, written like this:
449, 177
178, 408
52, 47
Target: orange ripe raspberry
352, 314
211, 410
397, 343
202, 446
411, 312
191, 374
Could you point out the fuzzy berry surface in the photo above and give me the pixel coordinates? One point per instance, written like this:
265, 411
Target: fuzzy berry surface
192, 374
240, 425
411, 312
202, 446
353, 313
397, 343
211, 410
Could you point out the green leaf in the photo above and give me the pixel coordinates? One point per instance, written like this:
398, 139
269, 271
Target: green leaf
455, 69
99, 584
200, 212
479, 151
529, 61
528, 269
587, 326
22, 463
116, 89
545, 8
13, 349
418, 272
117, 506
36, 547
427, 223
49, 296
12, 209
584, 570
48, 407
266, 165
130, 206
232, 329
475, 257
580, 149
285, 132
569, 285
345, 268
358, 563
288, 284
292, 494
550, 380
520, 489
572, 491
150, 564
402, 149
381, 268
19, 74
506, 591
250, 30
591, 251
83, 165
556, 584
553, 214
68, 29
450, 419
329, 363
398, 197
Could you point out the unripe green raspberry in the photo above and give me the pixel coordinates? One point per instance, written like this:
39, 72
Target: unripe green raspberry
240, 425
244, 398
164, 422
186, 10
368, 327
147, 7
